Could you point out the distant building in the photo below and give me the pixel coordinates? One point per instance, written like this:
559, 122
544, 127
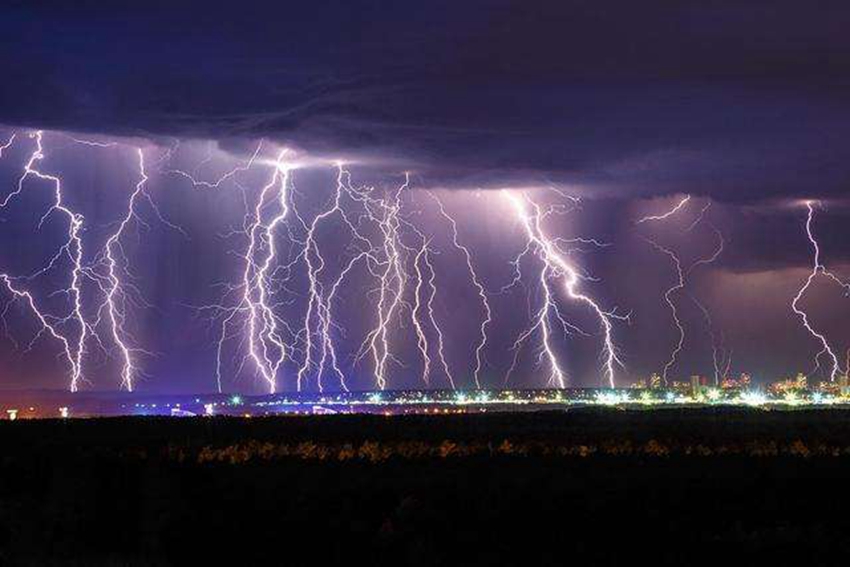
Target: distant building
844, 385
656, 382
699, 385
798, 384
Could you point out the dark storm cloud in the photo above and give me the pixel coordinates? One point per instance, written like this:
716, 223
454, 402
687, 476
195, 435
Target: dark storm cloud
743, 101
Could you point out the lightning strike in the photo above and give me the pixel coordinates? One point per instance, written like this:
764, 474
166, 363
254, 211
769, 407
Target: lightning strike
817, 268
678, 207
482, 294
115, 311
717, 357
432, 318
266, 346
721, 360
421, 337
556, 266
230, 174
393, 279
669, 298
8, 144
677, 287
680, 283
72, 248
318, 306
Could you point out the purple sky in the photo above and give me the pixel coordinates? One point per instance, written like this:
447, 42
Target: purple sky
743, 107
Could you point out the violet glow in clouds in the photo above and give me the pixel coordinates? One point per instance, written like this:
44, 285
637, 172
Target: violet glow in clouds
380, 228
277, 322
156, 244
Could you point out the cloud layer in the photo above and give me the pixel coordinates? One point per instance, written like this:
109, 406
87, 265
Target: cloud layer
743, 102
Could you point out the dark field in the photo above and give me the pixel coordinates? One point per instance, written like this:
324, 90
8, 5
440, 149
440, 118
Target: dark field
590, 486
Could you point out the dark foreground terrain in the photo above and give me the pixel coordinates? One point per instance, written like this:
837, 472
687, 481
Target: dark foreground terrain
584, 487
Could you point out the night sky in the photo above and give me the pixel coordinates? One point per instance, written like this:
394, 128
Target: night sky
628, 106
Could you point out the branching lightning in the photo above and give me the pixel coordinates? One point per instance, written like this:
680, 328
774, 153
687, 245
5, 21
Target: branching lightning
376, 226
482, 294
680, 283
817, 268
319, 305
674, 313
557, 267
283, 303
116, 296
72, 248
106, 272
266, 346
229, 175
392, 281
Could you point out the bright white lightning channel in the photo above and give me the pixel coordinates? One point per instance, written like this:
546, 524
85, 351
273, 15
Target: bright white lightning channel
680, 283
72, 248
108, 272
266, 346
479, 287
556, 266
817, 268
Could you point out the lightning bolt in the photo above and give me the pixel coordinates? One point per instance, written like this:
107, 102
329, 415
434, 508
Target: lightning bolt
482, 294
115, 299
229, 175
437, 329
328, 348
105, 272
392, 281
265, 345
720, 359
668, 298
678, 207
319, 305
710, 259
48, 323
421, 336
8, 144
556, 266
817, 268
680, 283
92, 143
375, 225
388, 262
111, 272
72, 249
268, 340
